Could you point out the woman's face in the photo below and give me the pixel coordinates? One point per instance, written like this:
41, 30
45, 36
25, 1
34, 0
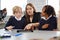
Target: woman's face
29, 10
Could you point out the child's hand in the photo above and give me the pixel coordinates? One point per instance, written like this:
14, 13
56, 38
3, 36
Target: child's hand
45, 26
9, 27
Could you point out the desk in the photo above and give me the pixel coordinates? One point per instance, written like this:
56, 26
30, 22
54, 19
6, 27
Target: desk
45, 35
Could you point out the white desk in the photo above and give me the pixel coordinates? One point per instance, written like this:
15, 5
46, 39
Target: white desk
45, 35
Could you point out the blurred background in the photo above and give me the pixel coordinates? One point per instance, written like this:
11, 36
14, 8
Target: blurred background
38, 4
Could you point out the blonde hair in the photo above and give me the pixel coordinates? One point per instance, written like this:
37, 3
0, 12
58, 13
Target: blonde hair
16, 9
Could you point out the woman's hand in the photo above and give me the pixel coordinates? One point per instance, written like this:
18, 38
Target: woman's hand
9, 27
45, 26
29, 26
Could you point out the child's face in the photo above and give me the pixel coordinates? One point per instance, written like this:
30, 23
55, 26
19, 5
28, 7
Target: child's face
43, 13
18, 13
29, 10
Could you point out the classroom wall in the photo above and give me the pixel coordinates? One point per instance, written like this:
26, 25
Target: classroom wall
38, 4
0, 4
59, 17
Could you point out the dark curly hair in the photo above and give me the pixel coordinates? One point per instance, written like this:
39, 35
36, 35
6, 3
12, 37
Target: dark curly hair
49, 10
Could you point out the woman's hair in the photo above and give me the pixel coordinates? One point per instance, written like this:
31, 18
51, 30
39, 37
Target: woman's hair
16, 9
29, 4
26, 15
49, 10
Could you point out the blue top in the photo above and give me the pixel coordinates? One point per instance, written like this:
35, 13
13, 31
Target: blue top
52, 21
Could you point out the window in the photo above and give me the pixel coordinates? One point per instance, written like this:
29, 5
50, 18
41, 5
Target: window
55, 4
9, 4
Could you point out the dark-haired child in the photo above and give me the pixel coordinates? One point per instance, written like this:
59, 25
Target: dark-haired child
48, 20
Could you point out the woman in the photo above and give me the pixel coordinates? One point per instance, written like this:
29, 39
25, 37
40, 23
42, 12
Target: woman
31, 16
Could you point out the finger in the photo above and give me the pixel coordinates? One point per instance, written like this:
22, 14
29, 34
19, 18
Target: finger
25, 28
29, 27
9, 28
32, 28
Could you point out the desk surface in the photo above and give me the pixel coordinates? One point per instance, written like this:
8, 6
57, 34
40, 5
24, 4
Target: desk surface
45, 35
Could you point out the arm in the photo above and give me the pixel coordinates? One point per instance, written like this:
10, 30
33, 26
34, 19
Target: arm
45, 26
9, 24
9, 27
35, 24
51, 24
31, 25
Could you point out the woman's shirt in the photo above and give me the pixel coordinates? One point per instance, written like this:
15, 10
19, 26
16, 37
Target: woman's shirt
36, 18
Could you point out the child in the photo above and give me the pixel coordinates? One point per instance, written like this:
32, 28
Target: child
16, 21
49, 22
